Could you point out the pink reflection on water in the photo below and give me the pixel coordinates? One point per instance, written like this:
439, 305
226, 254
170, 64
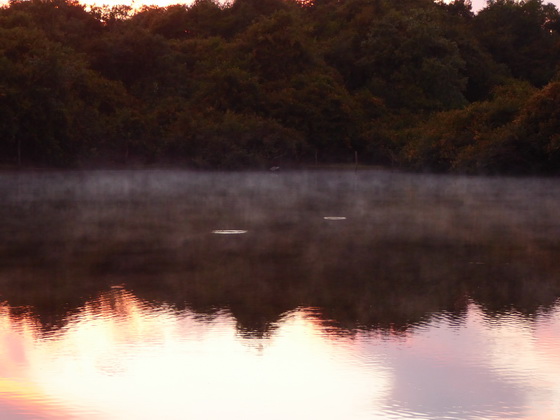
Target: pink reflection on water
20, 396
479, 368
123, 358
120, 358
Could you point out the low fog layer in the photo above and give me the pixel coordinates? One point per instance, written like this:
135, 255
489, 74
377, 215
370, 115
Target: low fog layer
371, 248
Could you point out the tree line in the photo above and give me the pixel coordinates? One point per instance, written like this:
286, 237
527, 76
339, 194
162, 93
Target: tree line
257, 83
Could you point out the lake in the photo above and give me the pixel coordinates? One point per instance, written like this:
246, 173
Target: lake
168, 294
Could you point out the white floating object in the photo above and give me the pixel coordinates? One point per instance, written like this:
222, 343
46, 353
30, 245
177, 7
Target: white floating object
334, 218
229, 232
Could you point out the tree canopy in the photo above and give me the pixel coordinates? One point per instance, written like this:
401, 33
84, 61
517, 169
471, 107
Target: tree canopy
257, 83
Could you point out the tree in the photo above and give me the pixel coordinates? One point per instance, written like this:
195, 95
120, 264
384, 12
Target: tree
537, 130
63, 21
320, 108
56, 108
409, 62
479, 138
128, 54
522, 35
276, 46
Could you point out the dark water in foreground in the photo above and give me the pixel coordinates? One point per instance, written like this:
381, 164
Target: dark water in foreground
300, 295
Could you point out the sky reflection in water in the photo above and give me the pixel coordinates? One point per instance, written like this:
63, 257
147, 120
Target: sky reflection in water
122, 358
348, 295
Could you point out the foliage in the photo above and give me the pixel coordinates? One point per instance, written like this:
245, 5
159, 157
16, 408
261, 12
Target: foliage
477, 138
410, 62
522, 35
234, 141
252, 83
54, 107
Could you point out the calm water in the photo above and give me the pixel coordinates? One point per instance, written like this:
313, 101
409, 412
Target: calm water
298, 295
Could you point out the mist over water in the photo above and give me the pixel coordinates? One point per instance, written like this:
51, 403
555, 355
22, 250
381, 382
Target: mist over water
339, 294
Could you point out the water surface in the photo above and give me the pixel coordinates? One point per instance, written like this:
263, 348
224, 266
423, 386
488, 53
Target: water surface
356, 295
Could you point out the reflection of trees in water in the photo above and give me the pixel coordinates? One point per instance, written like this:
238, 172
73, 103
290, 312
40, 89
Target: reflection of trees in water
386, 287
409, 247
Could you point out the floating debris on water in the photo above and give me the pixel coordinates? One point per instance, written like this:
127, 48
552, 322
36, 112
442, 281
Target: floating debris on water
229, 232
334, 218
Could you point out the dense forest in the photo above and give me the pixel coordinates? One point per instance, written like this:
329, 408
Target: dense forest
413, 84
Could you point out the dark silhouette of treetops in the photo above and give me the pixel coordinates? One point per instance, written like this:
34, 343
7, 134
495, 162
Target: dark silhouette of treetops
253, 84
